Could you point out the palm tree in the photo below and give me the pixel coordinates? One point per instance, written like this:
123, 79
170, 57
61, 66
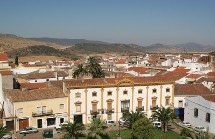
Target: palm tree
72, 130
80, 71
164, 115
96, 129
3, 131
94, 68
132, 117
143, 129
186, 133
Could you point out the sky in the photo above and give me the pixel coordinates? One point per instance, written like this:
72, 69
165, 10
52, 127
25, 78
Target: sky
142, 22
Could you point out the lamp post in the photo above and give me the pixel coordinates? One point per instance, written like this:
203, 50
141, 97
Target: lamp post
119, 135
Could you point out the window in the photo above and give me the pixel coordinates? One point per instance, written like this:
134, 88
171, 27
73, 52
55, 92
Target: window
154, 90
196, 112
167, 90
140, 91
78, 95
61, 106
20, 110
35, 81
167, 101
94, 94
180, 103
94, 107
78, 108
50, 121
47, 80
208, 117
61, 120
109, 93
109, 116
140, 104
153, 102
44, 108
125, 92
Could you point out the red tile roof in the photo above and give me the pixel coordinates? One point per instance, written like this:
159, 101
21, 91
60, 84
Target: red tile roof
121, 61
3, 56
41, 75
32, 95
177, 74
194, 76
191, 89
114, 81
209, 98
140, 70
6, 72
32, 86
211, 74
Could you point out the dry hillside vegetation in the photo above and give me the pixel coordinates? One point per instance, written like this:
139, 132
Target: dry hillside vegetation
11, 42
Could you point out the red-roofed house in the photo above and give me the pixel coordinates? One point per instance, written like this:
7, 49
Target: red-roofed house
4, 61
121, 63
139, 71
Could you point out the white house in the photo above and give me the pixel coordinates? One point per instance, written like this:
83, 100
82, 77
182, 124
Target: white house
109, 98
200, 111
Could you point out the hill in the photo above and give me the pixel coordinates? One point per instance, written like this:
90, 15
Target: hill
40, 50
122, 49
67, 42
10, 42
195, 47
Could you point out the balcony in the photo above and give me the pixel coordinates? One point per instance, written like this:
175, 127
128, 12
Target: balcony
154, 107
125, 109
109, 111
94, 112
140, 108
42, 113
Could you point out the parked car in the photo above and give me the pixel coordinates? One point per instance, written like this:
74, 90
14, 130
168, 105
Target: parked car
111, 123
7, 136
186, 124
29, 130
58, 127
156, 124
199, 129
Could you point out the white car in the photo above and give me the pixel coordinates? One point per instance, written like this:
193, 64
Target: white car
199, 129
186, 124
111, 123
57, 127
156, 124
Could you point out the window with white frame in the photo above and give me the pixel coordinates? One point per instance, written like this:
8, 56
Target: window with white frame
19, 110
61, 106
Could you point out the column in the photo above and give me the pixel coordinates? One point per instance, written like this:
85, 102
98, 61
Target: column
117, 99
86, 105
161, 95
102, 91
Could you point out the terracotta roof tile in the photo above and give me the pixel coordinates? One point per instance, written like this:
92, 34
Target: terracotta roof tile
113, 81
39, 94
209, 98
191, 89
194, 76
140, 70
3, 56
62, 74
32, 86
6, 72
211, 74
44, 75
121, 61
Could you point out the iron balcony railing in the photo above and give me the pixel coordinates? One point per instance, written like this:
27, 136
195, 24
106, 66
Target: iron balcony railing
42, 113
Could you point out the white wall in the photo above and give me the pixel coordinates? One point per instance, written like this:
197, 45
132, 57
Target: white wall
203, 107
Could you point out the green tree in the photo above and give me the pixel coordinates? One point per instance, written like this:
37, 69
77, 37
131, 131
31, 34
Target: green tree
186, 133
97, 129
72, 130
79, 71
132, 117
143, 129
3, 131
164, 115
94, 68
17, 60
